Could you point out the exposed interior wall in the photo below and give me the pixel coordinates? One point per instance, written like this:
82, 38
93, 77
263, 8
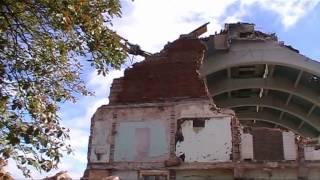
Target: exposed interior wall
198, 109
283, 141
141, 141
210, 143
311, 154
246, 147
204, 174
100, 142
289, 146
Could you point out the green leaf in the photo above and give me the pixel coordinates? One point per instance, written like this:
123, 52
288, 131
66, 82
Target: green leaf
47, 44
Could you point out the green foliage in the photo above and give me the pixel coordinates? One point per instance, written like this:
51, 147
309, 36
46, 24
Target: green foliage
41, 46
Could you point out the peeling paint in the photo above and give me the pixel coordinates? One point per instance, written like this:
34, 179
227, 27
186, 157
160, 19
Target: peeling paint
246, 146
311, 153
100, 150
290, 148
211, 143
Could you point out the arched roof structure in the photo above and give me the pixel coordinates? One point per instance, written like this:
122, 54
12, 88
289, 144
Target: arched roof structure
263, 80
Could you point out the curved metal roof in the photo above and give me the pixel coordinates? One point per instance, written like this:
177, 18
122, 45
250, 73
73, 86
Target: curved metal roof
264, 80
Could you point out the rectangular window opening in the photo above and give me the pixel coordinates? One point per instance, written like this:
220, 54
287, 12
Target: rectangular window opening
98, 156
199, 123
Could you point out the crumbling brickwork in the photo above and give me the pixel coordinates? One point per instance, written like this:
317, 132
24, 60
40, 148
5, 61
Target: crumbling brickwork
172, 74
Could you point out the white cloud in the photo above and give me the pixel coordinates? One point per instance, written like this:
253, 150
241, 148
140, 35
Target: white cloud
86, 106
101, 84
152, 24
289, 11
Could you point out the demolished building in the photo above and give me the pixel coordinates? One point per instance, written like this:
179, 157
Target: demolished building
235, 105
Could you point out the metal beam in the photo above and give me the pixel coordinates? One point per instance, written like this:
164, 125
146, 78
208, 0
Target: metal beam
249, 53
288, 99
271, 70
273, 103
229, 94
281, 115
311, 110
229, 72
298, 78
301, 124
283, 85
272, 118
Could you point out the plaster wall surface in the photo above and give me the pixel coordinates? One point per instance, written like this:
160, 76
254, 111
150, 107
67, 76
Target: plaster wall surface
138, 132
100, 148
289, 146
311, 153
198, 109
193, 110
141, 141
212, 143
246, 146
204, 175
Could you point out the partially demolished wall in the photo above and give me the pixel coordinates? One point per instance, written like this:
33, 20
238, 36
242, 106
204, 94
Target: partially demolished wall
162, 124
170, 74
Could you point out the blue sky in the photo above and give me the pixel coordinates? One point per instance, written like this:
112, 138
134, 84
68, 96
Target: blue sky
152, 23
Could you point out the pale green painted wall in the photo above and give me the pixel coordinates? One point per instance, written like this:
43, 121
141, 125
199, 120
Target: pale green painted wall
126, 141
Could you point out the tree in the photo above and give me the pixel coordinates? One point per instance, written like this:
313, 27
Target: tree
43, 45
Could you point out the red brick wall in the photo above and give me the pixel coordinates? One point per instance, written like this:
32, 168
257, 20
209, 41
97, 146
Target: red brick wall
168, 75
